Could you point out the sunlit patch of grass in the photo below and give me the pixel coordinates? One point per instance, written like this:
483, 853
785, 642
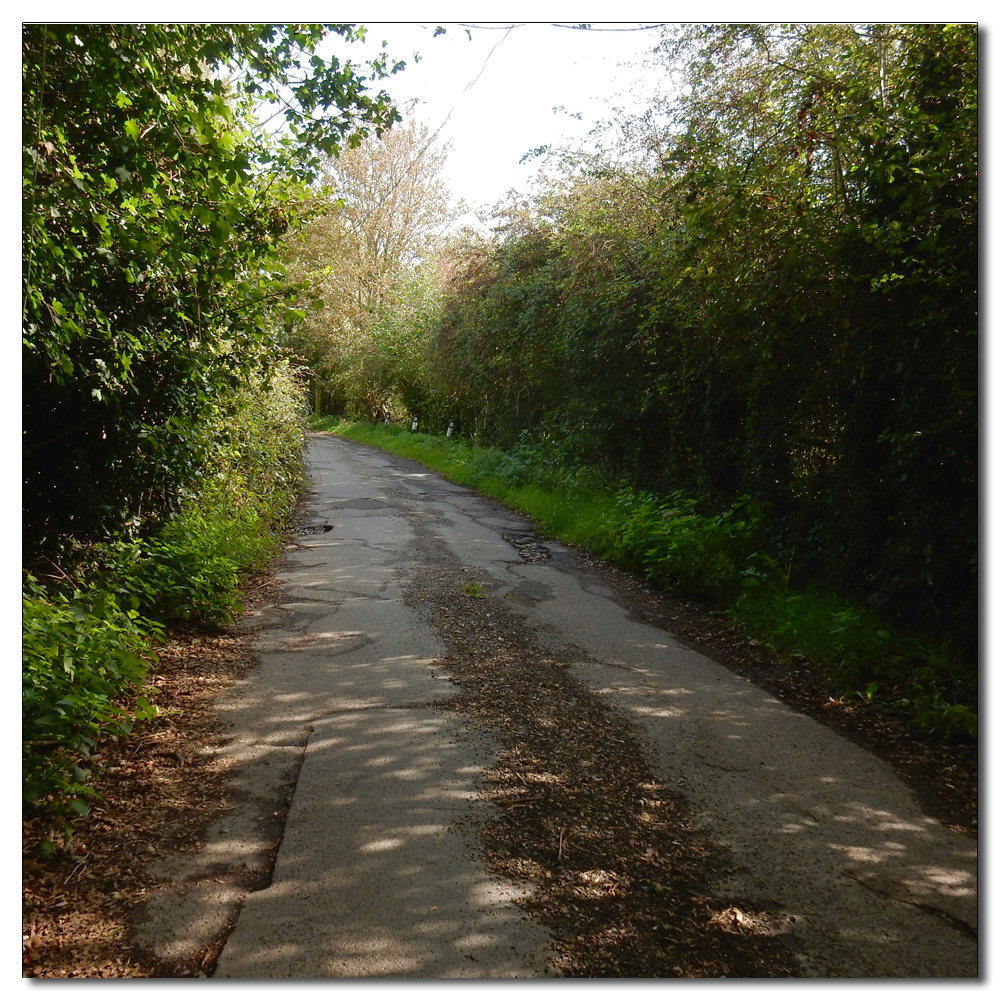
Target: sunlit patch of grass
866, 657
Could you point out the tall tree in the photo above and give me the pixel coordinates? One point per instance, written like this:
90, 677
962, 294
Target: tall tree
152, 206
383, 208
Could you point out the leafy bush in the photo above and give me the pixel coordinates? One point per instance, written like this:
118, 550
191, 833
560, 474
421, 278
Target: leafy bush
704, 556
191, 569
535, 461
768, 290
83, 653
850, 640
153, 208
193, 565
932, 715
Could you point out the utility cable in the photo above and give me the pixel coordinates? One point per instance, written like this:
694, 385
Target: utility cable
447, 118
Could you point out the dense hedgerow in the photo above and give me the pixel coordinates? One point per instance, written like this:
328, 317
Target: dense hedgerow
88, 644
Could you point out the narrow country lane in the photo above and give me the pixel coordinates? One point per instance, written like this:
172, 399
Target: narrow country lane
413, 763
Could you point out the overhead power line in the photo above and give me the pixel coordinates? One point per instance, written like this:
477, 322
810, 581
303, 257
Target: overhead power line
470, 84
557, 24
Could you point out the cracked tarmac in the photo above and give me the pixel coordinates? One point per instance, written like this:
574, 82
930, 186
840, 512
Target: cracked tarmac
375, 872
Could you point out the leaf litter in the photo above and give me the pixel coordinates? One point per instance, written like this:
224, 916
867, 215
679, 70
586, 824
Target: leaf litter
610, 860
607, 856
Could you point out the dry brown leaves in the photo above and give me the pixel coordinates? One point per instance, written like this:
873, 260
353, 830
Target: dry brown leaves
158, 790
607, 856
604, 852
609, 860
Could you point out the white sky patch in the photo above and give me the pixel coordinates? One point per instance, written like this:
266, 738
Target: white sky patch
496, 94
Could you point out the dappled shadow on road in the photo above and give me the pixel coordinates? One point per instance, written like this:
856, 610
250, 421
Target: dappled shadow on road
298, 693
372, 879
799, 806
334, 661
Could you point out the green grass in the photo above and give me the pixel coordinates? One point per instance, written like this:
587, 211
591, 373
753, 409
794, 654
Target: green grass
716, 558
865, 657
563, 505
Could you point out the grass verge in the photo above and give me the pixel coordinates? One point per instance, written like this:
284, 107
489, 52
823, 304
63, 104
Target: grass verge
717, 558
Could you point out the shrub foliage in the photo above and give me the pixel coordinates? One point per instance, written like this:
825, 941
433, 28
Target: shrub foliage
776, 299
88, 641
162, 431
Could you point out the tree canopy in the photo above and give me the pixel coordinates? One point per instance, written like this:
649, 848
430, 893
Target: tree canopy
153, 199
381, 213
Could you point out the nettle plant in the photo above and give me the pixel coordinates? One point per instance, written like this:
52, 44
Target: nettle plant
84, 657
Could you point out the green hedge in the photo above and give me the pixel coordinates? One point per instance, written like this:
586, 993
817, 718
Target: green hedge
87, 648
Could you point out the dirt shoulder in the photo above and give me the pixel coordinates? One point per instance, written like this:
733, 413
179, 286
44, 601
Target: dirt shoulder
163, 788
159, 791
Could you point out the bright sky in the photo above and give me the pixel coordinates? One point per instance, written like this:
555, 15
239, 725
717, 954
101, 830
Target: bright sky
500, 87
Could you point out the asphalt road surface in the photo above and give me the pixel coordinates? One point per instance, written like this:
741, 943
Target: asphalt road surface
378, 873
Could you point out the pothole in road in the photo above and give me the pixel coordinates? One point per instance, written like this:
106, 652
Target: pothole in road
528, 547
359, 504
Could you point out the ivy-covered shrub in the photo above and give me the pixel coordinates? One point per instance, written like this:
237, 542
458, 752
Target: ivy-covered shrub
776, 298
